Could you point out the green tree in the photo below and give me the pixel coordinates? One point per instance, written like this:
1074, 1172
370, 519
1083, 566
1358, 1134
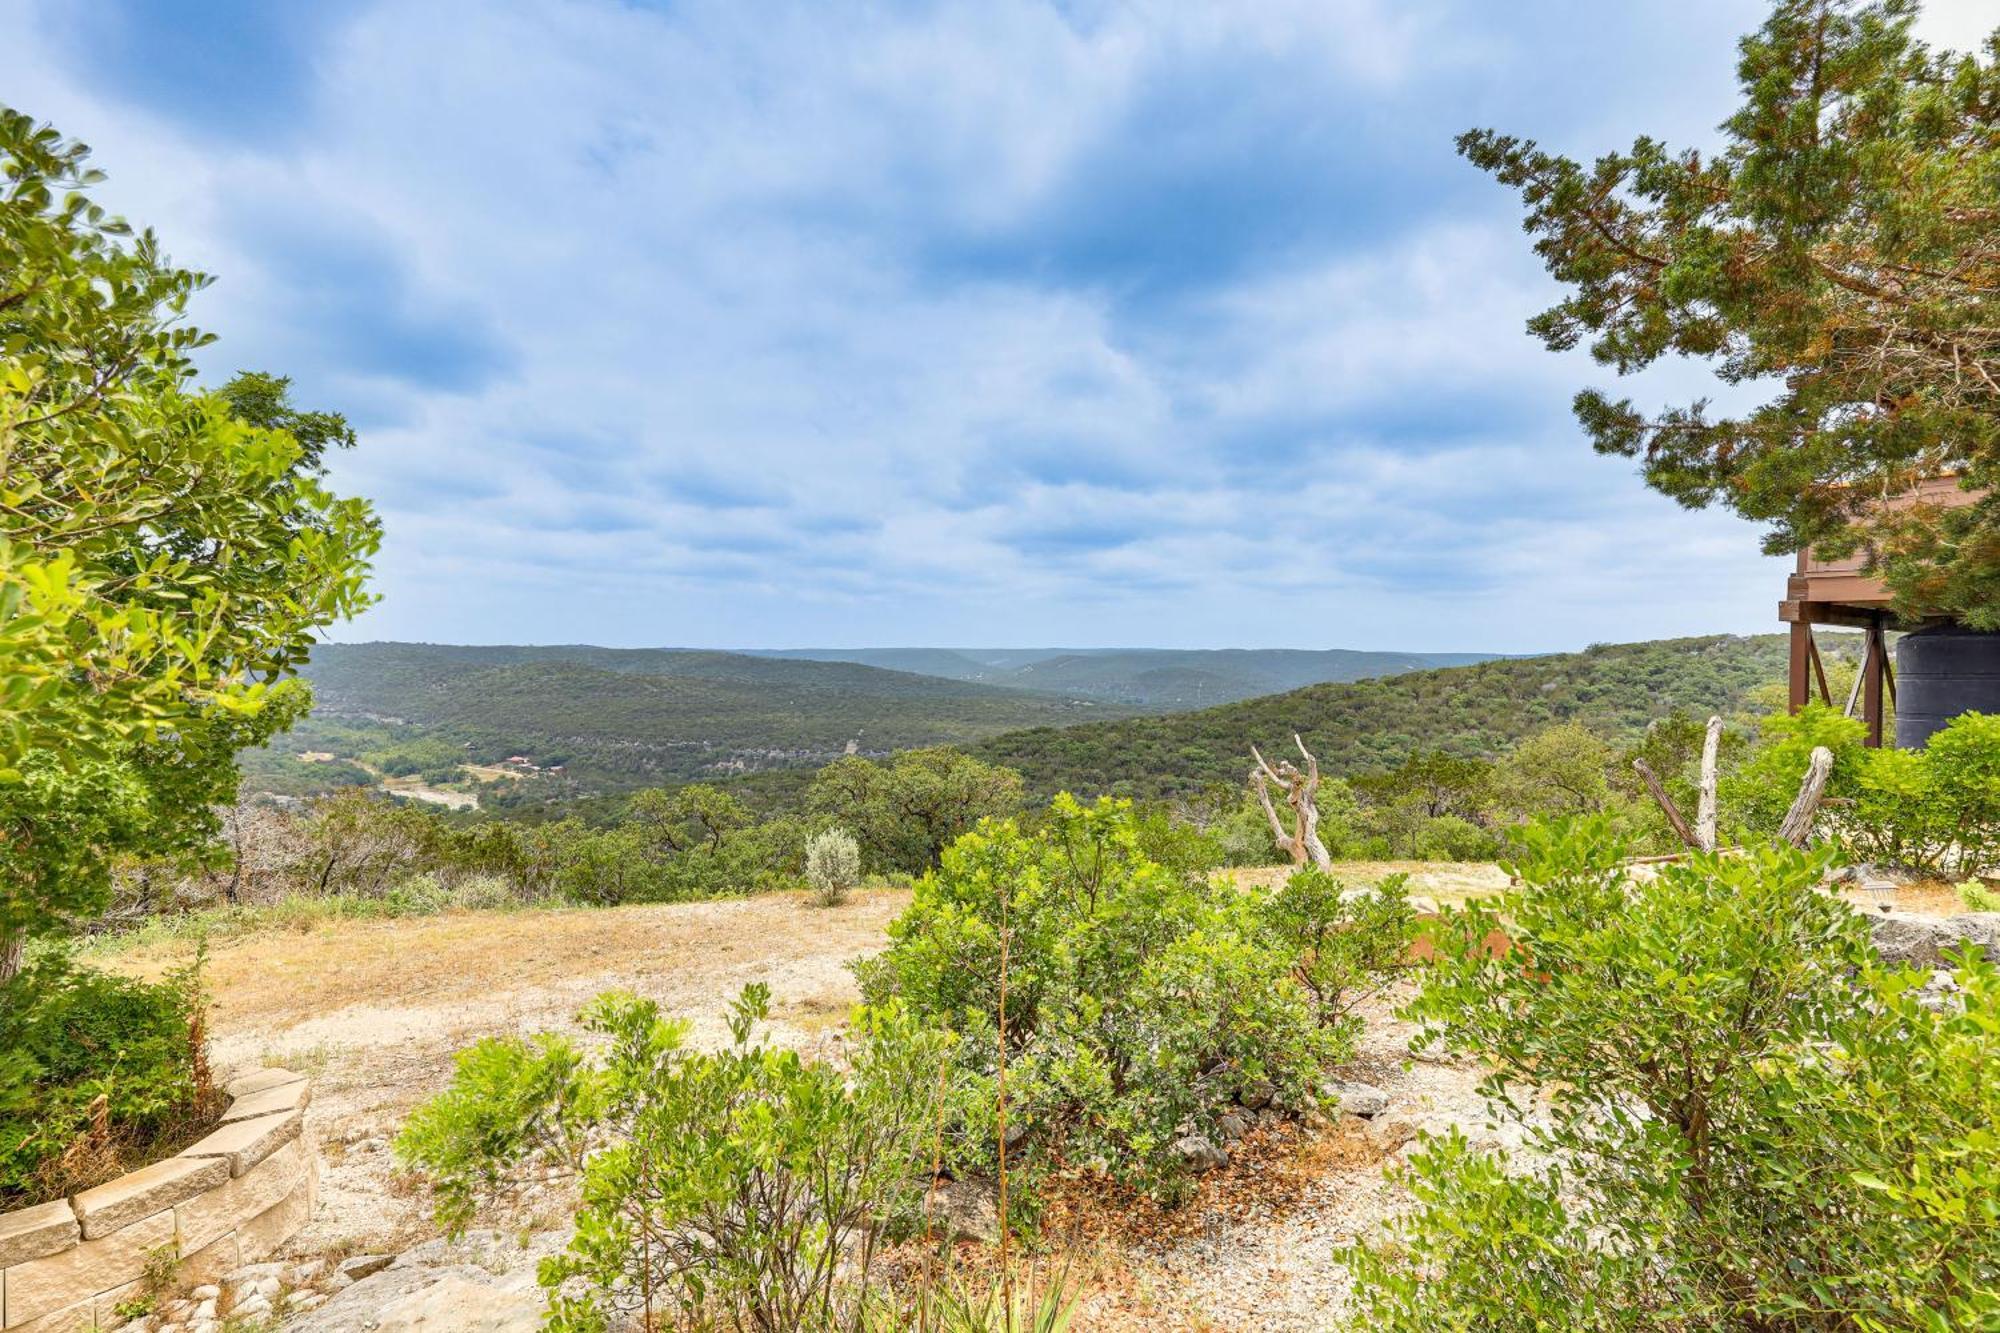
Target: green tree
1562, 770
265, 401
905, 813
164, 563
1840, 250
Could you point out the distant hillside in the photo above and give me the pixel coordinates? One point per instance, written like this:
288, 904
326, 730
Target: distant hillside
1477, 710
1149, 678
625, 717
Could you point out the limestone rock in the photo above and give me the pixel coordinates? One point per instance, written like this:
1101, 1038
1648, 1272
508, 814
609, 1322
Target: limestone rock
31, 1233
404, 1300
965, 1210
1362, 1099
1200, 1153
364, 1265
146, 1191
1916, 940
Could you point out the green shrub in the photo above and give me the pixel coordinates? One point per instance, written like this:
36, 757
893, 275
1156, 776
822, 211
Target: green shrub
833, 865
1747, 1122
718, 1190
1141, 1001
1935, 810
1753, 798
94, 1069
1346, 945
1977, 897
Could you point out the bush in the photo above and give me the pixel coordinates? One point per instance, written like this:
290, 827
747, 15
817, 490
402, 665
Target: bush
95, 1070
718, 1190
1346, 945
833, 865
1749, 1122
1936, 810
1141, 1001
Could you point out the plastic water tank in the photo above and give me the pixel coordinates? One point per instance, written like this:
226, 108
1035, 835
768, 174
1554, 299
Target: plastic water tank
1940, 673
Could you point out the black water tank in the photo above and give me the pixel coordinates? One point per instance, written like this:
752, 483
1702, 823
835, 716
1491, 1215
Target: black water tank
1940, 673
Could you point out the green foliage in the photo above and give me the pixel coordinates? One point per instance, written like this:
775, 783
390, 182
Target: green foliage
833, 865
1745, 1120
1035, 1304
1346, 944
162, 560
907, 811
1838, 248
70, 1036
1755, 796
1141, 999
1935, 810
1977, 897
719, 1190
1477, 712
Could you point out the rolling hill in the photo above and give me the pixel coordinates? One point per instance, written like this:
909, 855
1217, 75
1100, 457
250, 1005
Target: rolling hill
615, 718
1146, 678
1353, 727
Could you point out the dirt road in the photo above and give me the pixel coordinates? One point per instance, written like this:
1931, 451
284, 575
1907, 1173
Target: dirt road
373, 1010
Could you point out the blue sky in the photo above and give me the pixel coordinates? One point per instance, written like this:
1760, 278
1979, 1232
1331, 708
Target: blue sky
728, 324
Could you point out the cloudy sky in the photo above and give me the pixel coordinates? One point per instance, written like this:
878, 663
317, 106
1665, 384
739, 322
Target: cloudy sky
705, 322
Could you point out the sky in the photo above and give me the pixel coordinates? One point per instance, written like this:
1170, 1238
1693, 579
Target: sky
725, 324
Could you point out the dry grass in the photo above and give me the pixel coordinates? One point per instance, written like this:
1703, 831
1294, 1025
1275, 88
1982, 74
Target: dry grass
274, 980
1442, 881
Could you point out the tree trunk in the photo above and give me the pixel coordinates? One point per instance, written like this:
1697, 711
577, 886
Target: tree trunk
1302, 795
13, 952
1287, 844
1666, 804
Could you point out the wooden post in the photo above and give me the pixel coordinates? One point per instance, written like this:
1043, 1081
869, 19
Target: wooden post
1874, 660
1800, 677
1798, 822
1704, 818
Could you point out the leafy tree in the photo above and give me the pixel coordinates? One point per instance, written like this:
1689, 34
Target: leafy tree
1562, 770
686, 818
1840, 250
265, 401
163, 562
906, 812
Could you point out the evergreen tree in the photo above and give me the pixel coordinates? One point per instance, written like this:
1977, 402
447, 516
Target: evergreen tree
1842, 250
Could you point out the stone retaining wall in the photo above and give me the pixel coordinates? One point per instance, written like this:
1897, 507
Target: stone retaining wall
226, 1201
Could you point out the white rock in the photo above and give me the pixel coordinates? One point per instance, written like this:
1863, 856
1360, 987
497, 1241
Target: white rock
1362, 1099
1200, 1153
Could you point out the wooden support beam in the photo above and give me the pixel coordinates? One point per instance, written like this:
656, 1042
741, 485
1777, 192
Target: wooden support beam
1819, 668
1874, 654
1799, 678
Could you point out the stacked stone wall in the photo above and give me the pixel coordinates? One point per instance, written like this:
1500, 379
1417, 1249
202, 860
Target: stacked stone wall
231, 1199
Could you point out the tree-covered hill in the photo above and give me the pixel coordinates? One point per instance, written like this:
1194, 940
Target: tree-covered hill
1474, 710
1155, 679
616, 718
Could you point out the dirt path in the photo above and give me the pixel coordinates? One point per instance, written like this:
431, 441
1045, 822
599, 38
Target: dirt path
374, 1010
